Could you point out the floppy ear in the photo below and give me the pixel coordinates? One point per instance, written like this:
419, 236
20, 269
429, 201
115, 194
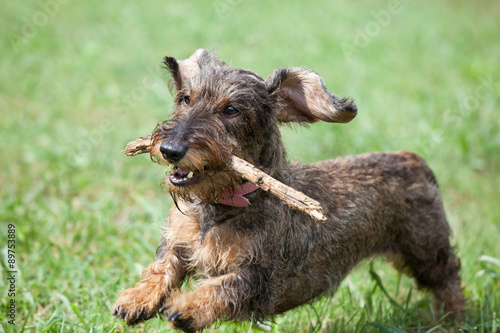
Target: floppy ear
301, 96
183, 70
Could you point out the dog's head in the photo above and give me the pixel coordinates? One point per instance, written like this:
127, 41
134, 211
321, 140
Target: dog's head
222, 111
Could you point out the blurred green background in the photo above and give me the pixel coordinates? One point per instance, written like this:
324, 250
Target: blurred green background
79, 79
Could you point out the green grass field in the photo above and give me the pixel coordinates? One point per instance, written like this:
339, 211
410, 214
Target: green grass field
81, 79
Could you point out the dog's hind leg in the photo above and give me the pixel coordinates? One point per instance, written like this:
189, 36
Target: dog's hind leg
426, 253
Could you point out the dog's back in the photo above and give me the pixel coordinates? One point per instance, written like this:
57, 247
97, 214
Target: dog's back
380, 203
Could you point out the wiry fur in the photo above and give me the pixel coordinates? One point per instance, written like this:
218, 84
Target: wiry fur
264, 259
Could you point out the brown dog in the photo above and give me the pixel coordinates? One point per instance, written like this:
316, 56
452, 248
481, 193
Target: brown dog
256, 257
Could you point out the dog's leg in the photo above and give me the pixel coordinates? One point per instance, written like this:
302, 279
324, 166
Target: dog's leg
440, 274
446, 286
145, 300
427, 253
228, 297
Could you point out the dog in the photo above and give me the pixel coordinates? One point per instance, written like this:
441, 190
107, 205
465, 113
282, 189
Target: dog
253, 256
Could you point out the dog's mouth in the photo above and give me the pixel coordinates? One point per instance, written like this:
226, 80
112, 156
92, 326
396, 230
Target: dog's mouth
183, 177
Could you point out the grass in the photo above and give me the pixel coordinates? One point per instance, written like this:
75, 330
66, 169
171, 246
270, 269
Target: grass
81, 79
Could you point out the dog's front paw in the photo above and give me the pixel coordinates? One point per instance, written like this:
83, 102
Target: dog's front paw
138, 304
192, 312
132, 316
181, 322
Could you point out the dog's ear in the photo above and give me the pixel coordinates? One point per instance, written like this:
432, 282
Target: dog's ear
183, 70
301, 96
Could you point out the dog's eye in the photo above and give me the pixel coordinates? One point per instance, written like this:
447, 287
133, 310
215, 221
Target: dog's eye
186, 100
231, 111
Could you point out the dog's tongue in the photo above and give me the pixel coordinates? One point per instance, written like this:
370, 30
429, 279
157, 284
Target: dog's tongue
237, 198
182, 171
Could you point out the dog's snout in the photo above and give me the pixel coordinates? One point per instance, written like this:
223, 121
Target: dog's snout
173, 152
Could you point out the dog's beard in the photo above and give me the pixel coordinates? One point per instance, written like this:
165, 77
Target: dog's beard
203, 173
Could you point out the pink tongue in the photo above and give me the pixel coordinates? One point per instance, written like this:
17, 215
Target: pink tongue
237, 199
182, 171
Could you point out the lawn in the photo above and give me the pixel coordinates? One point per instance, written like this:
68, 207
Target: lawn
81, 79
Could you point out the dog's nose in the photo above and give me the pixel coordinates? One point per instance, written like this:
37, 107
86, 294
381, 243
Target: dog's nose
172, 152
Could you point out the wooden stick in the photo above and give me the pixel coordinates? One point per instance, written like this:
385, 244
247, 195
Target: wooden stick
293, 198
140, 146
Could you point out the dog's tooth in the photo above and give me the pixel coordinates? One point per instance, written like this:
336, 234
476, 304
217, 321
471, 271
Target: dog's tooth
190, 175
